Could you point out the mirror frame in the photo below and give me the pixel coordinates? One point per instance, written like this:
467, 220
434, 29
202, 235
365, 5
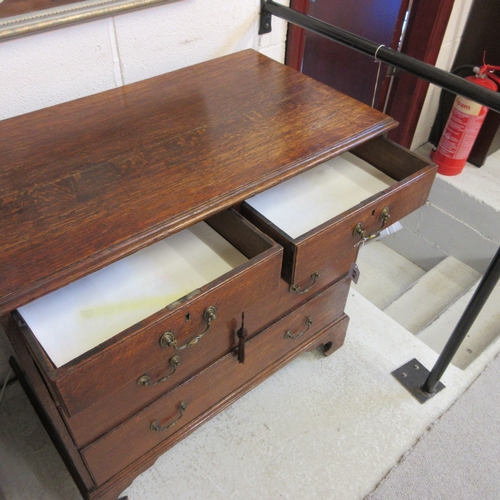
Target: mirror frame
55, 17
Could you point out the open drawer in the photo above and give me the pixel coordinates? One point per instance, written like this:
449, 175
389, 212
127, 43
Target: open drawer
321, 216
153, 308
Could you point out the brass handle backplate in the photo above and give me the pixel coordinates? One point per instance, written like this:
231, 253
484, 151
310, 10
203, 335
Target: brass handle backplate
155, 426
168, 338
145, 380
360, 232
290, 335
296, 289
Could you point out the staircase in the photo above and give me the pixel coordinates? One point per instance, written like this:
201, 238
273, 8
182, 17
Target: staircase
428, 304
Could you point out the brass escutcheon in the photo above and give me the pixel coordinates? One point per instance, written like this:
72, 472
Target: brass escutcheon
168, 338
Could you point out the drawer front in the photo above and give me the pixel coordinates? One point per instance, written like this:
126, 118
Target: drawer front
330, 251
187, 405
323, 254
197, 329
93, 422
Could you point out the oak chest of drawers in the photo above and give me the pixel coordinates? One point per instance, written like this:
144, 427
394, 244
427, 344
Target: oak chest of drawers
168, 245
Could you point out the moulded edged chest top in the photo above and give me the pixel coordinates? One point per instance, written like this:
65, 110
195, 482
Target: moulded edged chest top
87, 182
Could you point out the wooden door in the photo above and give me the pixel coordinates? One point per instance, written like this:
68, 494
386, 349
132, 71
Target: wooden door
351, 72
354, 73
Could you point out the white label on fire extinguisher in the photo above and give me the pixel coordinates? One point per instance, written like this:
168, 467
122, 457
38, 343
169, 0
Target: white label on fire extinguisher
462, 128
467, 106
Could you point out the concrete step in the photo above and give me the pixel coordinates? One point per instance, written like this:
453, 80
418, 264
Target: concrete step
483, 332
384, 274
432, 294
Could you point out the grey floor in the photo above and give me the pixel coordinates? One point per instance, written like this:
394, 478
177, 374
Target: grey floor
459, 457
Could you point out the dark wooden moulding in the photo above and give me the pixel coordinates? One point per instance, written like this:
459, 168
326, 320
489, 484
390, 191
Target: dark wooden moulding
86, 183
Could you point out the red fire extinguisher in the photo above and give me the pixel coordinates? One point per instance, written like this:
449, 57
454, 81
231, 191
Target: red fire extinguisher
463, 125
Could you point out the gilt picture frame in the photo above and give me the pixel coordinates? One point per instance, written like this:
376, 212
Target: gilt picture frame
39, 18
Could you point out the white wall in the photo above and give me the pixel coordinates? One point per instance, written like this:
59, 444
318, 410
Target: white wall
48, 68
56, 66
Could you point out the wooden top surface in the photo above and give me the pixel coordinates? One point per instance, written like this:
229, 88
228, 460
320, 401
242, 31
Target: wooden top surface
87, 182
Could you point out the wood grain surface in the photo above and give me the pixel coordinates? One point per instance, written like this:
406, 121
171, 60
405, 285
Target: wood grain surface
87, 182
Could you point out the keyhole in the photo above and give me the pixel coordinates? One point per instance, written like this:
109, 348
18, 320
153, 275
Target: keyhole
373, 213
188, 317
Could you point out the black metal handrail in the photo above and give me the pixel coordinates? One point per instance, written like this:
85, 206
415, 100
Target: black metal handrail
483, 291
422, 70
418, 380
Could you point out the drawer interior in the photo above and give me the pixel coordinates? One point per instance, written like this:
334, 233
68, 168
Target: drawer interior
82, 315
320, 194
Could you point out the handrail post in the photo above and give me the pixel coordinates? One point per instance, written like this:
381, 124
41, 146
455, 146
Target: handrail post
483, 291
414, 377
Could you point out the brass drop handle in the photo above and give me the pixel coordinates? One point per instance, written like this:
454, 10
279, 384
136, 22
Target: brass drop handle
145, 380
300, 291
168, 338
155, 426
290, 335
361, 233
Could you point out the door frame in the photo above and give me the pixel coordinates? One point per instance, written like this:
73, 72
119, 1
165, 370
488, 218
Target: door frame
424, 35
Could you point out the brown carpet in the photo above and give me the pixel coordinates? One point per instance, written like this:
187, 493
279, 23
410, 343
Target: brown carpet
459, 458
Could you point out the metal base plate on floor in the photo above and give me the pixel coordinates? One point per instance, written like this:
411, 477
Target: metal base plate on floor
412, 376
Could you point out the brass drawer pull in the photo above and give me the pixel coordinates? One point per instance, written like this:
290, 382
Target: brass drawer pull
300, 291
361, 233
155, 426
168, 338
290, 335
145, 381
